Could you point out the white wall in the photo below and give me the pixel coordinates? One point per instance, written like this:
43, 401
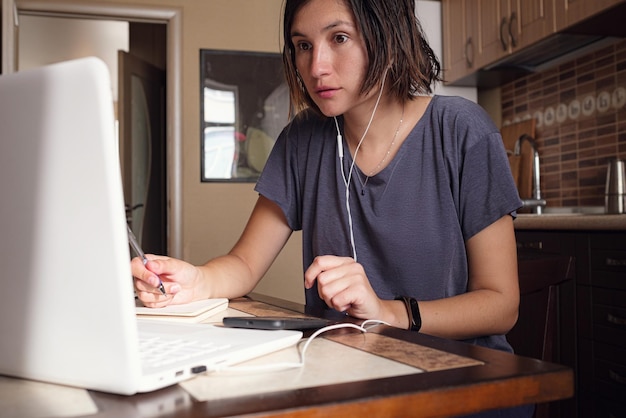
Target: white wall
46, 40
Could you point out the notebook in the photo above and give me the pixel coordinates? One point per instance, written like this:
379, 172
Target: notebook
196, 311
67, 313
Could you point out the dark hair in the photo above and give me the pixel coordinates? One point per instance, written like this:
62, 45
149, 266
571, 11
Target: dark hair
393, 38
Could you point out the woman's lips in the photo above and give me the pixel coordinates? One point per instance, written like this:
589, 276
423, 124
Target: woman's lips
326, 92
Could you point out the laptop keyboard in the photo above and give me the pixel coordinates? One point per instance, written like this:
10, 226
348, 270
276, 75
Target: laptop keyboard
157, 351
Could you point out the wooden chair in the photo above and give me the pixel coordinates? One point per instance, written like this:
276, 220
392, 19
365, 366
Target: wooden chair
537, 332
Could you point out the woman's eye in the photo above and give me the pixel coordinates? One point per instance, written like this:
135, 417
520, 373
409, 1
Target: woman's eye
303, 46
340, 39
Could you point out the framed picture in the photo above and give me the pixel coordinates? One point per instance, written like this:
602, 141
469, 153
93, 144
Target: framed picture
244, 104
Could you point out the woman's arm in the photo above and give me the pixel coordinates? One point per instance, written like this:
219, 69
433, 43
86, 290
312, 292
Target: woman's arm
490, 306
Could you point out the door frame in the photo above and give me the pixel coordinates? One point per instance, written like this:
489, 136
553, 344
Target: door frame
172, 18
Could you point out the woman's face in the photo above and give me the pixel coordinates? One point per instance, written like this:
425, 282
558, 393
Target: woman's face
330, 55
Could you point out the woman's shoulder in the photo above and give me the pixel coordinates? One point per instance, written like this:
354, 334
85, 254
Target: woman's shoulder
460, 111
455, 104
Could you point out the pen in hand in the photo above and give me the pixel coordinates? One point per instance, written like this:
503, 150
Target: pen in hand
133, 243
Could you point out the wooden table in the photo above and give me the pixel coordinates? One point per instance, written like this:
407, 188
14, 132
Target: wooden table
497, 380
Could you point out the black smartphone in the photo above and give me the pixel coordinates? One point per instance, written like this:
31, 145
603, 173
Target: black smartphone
274, 322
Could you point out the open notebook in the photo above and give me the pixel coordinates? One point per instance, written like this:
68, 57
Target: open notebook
68, 311
197, 311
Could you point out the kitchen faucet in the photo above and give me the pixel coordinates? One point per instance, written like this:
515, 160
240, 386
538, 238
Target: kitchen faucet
536, 203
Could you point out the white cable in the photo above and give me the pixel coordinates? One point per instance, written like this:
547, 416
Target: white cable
340, 151
347, 184
356, 151
290, 365
352, 244
339, 141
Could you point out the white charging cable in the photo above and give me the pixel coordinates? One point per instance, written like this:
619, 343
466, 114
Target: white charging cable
363, 327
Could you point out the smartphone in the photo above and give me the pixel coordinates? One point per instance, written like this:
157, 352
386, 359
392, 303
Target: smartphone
274, 322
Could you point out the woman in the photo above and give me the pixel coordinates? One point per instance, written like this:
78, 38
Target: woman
406, 201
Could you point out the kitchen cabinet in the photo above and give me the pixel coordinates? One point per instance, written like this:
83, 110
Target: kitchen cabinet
602, 335
460, 34
594, 315
429, 14
477, 34
510, 25
530, 21
570, 12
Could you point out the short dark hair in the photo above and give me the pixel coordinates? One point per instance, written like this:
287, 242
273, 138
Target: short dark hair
394, 39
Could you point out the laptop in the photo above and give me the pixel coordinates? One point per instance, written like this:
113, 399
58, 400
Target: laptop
67, 313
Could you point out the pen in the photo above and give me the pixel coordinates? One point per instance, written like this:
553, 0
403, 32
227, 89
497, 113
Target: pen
133, 243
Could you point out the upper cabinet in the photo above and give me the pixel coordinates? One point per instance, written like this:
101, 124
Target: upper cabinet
506, 26
480, 33
459, 34
570, 12
530, 20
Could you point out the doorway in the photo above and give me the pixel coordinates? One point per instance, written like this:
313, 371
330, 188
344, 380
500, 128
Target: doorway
172, 21
141, 111
139, 93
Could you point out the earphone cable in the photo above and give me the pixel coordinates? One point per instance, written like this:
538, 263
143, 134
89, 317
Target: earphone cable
356, 151
363, 327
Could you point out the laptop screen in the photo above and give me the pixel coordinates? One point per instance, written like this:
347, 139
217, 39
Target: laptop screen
63, 249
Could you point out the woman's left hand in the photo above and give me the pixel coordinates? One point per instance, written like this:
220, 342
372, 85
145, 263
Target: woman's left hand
344, 286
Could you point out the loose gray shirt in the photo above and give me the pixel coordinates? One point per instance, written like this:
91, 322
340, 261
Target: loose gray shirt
449, 180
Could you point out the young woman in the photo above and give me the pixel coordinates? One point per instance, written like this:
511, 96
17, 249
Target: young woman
405, 200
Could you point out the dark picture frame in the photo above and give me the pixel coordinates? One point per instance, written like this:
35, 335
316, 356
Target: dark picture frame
244, 104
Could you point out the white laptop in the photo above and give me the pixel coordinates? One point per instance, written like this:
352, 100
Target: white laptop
67, 313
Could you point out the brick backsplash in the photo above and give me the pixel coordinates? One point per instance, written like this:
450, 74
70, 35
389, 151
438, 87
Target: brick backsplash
580, 112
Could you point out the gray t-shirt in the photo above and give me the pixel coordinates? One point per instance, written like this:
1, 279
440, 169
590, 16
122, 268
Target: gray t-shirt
449, 180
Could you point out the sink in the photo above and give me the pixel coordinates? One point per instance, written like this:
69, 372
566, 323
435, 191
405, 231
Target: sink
575, 210
569, 211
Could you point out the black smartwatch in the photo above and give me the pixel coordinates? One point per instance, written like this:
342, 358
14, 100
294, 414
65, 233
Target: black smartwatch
413, 311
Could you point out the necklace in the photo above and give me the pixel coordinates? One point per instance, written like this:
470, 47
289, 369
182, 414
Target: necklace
375, 170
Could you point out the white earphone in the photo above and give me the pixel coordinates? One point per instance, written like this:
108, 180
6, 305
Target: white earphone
347, 180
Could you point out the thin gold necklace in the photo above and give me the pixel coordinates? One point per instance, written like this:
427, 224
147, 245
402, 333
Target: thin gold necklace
375, 170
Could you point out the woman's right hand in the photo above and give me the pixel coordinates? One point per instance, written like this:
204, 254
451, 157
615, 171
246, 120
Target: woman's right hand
179, 278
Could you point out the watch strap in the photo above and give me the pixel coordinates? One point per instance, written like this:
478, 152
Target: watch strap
413, 312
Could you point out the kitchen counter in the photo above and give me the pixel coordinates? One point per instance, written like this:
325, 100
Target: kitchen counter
571, 221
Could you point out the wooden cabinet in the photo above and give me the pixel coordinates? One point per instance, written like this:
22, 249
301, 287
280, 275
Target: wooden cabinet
570, 12
598, 313
459, 37
602, 335
510, 25
477, 33
530, 21
493, 34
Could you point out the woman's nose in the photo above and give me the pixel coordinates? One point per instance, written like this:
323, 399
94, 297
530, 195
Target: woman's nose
320, 62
